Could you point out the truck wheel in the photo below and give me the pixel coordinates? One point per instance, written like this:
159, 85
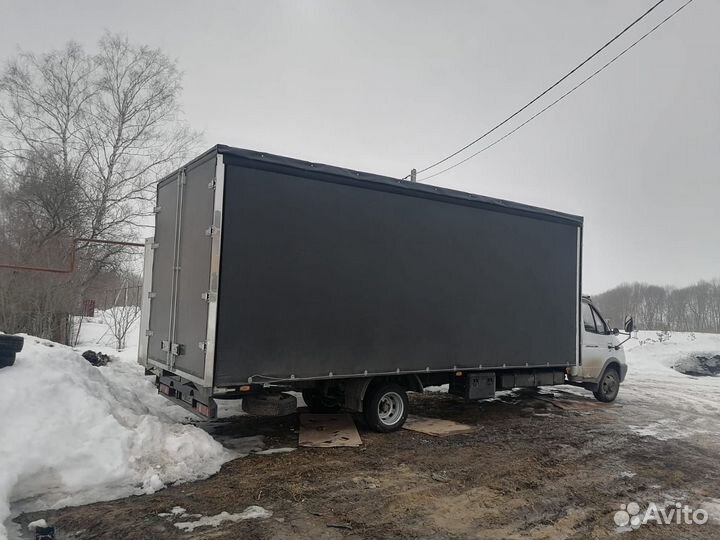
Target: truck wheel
319, 403
7, 359
609, 386
270, 404
10, 343
386, 407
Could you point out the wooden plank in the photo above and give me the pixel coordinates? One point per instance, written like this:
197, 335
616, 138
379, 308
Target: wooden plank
328, 430
436, 426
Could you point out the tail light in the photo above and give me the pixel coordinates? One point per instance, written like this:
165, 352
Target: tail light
203, 409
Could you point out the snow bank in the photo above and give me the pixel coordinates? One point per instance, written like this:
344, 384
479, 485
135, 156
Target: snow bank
72, 433
96, 335
699, 365
683, 406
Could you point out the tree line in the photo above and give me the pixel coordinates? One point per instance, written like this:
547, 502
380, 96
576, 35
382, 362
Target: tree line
695, 308
84, 137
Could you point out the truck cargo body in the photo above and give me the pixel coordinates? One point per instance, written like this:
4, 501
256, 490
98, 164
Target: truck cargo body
267, 269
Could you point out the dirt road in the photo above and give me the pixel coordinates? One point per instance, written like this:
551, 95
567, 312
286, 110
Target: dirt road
548, 466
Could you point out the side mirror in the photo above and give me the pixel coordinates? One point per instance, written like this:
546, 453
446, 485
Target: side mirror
614, 331
629, 325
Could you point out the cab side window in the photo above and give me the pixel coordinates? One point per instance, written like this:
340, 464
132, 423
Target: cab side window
588, 319
599, 323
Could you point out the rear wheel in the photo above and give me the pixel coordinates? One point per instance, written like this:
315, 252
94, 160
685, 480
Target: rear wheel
609, 386
7, 359
10, 344
386, 407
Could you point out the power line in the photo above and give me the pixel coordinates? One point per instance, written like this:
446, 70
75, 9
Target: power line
666, 19
548, 89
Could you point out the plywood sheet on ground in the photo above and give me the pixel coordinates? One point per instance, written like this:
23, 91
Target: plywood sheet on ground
436, 426
328, 430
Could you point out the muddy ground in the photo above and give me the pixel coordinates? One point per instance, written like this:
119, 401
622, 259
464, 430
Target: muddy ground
550, 468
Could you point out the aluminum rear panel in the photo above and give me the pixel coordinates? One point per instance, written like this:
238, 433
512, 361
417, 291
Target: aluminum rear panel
166, 212
181, 272
194, 275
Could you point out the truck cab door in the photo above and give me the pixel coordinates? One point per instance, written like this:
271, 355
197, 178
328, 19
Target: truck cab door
596, 340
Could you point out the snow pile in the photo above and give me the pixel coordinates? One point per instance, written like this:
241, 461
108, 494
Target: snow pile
72, 433
39, 524
251, 512
682, 406
176, 511
699, 365
650, 350
95, 334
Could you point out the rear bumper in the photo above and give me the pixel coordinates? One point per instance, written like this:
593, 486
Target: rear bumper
195, 399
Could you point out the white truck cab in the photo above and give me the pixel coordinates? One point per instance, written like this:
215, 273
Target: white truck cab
602, 367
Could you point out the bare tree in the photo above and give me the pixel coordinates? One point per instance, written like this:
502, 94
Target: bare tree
714, 304
677, 310
121, 318
694, 308
83, 139
134, 133
42, 103
88, 135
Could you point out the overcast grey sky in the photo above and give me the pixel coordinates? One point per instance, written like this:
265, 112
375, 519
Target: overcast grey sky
385, 86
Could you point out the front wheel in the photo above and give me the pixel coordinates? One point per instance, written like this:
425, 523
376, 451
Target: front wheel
386, 407
609, 386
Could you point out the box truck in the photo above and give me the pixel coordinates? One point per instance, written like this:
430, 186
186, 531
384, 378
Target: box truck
268, 275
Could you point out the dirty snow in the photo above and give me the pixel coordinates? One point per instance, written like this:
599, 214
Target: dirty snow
658, 401
712, 507
74, 433
270, 451
38, 524
678, 405
251, 512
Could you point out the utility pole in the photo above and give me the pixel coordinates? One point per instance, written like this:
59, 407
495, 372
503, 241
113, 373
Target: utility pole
413, 175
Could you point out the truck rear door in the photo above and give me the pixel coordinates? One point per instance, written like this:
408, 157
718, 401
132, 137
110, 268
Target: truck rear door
182, 293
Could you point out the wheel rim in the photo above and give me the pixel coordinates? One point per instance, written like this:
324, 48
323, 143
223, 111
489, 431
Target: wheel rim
610, 385
391, 408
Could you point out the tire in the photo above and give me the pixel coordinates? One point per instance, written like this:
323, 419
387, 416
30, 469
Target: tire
386, 407
270, 404
10, 343
609, 385
319, 403
6, 359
